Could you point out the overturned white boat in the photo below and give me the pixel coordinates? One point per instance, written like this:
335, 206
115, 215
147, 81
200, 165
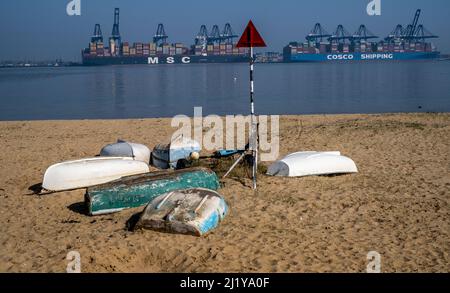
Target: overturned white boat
89, 172
192, 211
170, 155
127, 149
312, 164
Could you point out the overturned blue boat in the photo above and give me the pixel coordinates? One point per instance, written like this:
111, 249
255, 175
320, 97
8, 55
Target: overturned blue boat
193, 212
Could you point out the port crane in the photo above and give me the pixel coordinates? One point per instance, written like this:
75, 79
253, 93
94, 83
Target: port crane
415, 32
214, 37
317, 34
202, 38
396, 34
411, 28
97, 37
115, 40
412, 33
362, 34
228, 35
340, 35
160, 36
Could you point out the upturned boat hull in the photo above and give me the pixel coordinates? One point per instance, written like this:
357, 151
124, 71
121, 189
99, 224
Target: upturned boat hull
89, 172
136, 191
192, 212
312, 164
165, 156
122, 148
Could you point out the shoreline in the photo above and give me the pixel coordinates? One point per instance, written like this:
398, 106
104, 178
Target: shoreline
222, 116
398, 204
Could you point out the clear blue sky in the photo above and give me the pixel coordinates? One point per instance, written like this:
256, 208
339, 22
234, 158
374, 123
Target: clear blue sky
41, 29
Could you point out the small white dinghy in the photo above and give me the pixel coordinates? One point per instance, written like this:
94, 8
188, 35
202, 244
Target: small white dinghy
312, 164
127, 149
168, 155
192, 211
89, 172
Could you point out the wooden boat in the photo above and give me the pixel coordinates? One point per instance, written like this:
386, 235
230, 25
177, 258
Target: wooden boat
192, 211
136, 191
312, 164
122, 148
165, 156
89, 172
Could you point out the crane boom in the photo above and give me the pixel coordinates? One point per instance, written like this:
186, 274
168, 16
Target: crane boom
415, 22
411, 29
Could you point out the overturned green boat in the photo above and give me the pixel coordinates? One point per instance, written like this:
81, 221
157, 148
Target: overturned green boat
139, 190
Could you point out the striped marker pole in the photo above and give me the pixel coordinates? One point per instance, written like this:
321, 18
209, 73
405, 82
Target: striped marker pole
254, 129
252, 39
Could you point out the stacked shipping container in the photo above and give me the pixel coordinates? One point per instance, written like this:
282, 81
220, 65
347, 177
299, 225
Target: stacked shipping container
358, 47
152, 49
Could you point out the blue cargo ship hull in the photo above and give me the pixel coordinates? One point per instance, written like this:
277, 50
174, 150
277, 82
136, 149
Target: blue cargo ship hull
347, 57
163, 59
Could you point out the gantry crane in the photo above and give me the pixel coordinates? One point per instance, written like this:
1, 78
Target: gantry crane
115, 41
97, 37
160, 37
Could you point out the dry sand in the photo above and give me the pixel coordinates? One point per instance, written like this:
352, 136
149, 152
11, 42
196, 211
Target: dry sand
397, 205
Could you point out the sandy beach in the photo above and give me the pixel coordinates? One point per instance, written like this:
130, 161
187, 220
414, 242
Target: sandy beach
398, 205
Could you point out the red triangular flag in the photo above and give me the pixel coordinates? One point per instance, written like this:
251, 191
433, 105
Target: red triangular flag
251, 38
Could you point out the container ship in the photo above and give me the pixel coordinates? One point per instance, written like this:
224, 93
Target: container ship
403, 43
215, 47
